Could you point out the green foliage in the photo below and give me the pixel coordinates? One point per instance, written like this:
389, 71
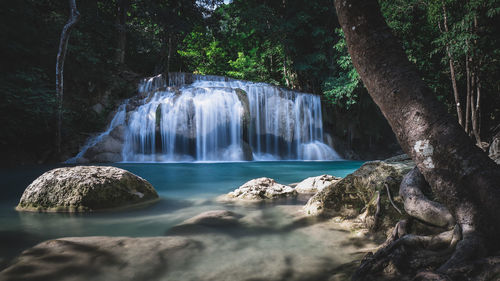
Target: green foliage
342, 89
291, 43
473, 28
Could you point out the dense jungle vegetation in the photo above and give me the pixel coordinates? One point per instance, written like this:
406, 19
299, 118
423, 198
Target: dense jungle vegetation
291, 43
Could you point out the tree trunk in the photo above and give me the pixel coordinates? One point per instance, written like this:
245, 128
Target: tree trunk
121, 26
468, 98
461, 175
452, 71
169, 54
61, 56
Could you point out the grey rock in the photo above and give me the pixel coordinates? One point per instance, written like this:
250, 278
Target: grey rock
260, 189
315, 184
107, 157
108, 149
86, 189
118, 133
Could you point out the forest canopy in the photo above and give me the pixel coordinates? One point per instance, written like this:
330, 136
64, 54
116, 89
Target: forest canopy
291, 43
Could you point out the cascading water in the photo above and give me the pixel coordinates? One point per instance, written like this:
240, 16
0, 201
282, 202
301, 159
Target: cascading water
213, 118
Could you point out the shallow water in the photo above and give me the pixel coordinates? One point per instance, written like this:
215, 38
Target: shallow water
187, 189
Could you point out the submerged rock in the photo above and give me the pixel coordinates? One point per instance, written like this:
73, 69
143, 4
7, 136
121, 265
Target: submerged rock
260, 189
210, 220
359, 191
86, 189
103, 258
315, 184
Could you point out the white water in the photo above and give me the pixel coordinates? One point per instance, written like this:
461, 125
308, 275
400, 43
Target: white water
210, 118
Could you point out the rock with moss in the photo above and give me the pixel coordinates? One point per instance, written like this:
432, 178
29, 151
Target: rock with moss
86, 189
361, 193
315, 184
260, 189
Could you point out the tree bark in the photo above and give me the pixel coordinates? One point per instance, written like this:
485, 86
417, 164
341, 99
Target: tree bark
121, 23
461, 175
61, 56
468, 98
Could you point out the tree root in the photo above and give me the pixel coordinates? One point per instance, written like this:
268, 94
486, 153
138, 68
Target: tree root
390, 199
456, 254
407, 253
418, 206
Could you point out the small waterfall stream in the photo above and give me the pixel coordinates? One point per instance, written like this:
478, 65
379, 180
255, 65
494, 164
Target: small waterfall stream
213, 118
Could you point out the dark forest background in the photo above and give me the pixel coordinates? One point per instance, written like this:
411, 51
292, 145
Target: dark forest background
291, 43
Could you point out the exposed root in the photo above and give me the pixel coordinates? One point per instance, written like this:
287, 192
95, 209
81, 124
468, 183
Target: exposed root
417, 205
377, 212
456, 254
390, 199
409, 253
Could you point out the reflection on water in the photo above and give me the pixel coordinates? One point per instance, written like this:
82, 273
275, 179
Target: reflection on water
268, 231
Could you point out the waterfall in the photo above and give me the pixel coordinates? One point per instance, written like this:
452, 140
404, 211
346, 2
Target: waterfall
190, 117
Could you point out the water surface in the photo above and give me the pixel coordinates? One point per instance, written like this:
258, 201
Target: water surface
186, 189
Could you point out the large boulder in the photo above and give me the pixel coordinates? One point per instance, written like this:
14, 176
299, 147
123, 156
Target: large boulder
86, 189
359, 192
315, 184
260, 189
103, 258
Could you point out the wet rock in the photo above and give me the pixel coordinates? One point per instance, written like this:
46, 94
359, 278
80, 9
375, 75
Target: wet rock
118, 133
357, 194
217, 219
260, 189
86, 189
108, 149
103, 258
315, 184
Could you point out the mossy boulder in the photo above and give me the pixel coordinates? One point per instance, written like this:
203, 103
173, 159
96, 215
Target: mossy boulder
356, 195
86, 189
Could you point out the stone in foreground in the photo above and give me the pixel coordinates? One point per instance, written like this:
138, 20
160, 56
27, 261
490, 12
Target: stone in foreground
260, 189
86, 189
358, 192
102, 258
315, 184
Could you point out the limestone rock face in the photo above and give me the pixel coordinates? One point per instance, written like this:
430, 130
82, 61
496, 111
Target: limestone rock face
86, 189
108, 149
260, 189
103, 259
315, 184
359, 191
